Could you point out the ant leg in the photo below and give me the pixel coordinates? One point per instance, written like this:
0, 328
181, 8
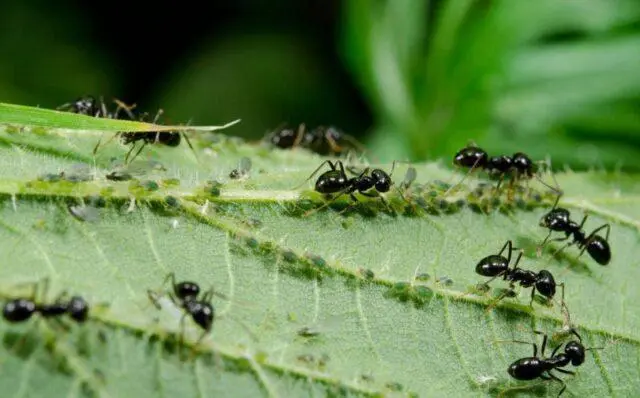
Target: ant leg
299, 135
568, 372
154, 298
126, 108
171, 276
544, 343
546, 239
186, 138
556, 378
533, 294
335, 148
497, 300
99, 144
136, 155
535, 346
332, 165
181, 338
509, 244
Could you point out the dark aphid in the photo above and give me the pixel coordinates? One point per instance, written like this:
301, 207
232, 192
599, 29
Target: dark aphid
535, 367
559, 220
243, 169
496, 265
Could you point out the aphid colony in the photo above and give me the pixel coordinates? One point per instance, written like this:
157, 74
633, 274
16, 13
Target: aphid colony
334, 183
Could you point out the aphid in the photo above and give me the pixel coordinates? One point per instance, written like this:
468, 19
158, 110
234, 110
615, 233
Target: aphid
22, 309
516, 167
244, 166
535, 367
559, 219
185, 295
496, 265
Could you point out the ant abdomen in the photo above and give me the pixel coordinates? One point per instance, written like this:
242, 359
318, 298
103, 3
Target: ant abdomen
492, 265
545, 284
471, 156
18, 310
599, 250
526, 368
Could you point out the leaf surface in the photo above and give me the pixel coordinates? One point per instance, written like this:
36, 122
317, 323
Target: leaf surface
373, 301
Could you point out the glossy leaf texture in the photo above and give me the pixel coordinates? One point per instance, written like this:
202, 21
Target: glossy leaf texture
368, 300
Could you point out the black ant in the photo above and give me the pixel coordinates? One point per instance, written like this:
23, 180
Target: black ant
22, 309
321, 140
335, 181
534, 367
496, 265
558, 219
185, 295
168, 138
517, 166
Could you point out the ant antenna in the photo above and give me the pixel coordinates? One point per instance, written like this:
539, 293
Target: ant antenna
332, 165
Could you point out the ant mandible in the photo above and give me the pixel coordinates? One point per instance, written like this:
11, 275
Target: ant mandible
534, 367
496, 265
559, 220
22, 309
185, 295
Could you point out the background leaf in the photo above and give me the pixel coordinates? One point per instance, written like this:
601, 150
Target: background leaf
358, 278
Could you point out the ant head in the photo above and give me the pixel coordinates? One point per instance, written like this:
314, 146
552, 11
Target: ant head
470, 157
186, 290
283, 137
78, 309
576, 351
523, 163
545, 284
556, 220
202, 313
382, 180
85, 105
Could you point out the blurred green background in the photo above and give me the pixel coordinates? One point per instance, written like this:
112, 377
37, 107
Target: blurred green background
411, 79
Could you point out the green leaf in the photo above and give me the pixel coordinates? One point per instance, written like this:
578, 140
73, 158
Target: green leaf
329, 303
